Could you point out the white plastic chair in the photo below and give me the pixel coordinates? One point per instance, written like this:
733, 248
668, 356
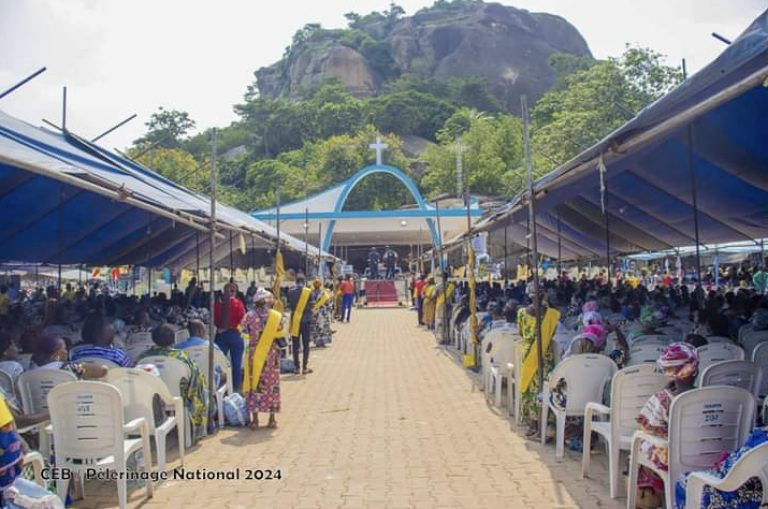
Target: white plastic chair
719, 340
672, 331
752, 464
32, 388
750, 341
744, 374
718, 352
199, 355
138, 343
181, 335
760, 357
25, 359
100, 360
645, 352
137, 387
89, 432
35, 460
586, 376
684, 326
571, 323
702, 424
514, 380
560, 344
630, 389
12, 369
7, 385
172, 372
651, 338
503, 343
744, 330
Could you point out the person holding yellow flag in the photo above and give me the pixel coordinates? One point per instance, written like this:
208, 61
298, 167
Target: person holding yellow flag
261, 383
301, 302
529, 383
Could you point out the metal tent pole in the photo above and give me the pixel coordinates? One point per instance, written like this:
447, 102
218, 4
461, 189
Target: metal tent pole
231, 257
22, 82
211, 284
439, 235
694, 185
607, 238
559, 250
306, 243
506, 254
197, 256
532, 221
320, 255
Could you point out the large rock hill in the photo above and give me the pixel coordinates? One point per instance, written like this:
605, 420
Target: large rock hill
508, 47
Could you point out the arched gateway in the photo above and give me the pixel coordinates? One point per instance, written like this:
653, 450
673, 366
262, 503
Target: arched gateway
321, 216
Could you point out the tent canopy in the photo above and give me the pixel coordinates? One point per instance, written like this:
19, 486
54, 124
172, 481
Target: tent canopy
67, 201
707, 135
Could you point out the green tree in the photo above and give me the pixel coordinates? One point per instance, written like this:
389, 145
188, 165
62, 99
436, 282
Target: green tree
177, 165
492, 160
166, 128
410, 112
593, 101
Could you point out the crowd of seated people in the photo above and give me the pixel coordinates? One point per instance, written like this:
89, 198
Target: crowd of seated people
598, 317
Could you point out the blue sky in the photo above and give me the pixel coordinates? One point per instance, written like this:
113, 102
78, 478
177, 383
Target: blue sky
124, 57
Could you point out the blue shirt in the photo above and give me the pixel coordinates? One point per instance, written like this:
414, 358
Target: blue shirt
109, 353
190, 342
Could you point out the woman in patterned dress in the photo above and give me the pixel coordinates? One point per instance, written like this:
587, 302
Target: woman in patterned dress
530, 390
680, 363
321, 315
266, 396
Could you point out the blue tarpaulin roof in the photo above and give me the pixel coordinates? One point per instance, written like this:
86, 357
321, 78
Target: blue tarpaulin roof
66, 200
648, 193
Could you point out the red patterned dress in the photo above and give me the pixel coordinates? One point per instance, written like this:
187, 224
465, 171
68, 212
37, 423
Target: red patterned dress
266, 397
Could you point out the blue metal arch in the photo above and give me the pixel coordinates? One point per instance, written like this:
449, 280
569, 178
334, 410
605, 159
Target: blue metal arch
350, 184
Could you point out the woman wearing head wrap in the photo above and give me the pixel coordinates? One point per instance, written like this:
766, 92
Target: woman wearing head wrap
591, 340
261, 386
680, 363
321, 314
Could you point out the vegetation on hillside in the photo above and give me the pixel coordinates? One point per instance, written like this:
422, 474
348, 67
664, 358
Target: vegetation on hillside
304, 146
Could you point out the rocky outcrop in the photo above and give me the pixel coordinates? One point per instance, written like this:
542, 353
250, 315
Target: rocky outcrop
508, 47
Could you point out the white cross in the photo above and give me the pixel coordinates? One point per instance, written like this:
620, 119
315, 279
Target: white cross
379, 148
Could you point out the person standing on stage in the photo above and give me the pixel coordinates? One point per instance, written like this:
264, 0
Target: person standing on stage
373, 263
390, 259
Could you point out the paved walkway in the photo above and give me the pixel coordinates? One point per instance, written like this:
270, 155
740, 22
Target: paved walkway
387, 420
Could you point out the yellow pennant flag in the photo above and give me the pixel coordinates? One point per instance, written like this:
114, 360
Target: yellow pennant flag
279, 273
241, 239
472, 295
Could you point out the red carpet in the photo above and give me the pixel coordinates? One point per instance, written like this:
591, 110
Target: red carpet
380, 293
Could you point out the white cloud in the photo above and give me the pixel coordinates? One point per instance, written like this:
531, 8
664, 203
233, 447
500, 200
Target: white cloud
119, 57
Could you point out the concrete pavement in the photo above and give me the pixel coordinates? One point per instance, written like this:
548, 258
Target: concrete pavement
387, 420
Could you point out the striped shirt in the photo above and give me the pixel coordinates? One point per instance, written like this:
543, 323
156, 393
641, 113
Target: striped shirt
109, 353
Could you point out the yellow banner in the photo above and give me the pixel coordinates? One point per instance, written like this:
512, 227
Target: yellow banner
472, 295
297, 313
531, 361
322, 300
279, 273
